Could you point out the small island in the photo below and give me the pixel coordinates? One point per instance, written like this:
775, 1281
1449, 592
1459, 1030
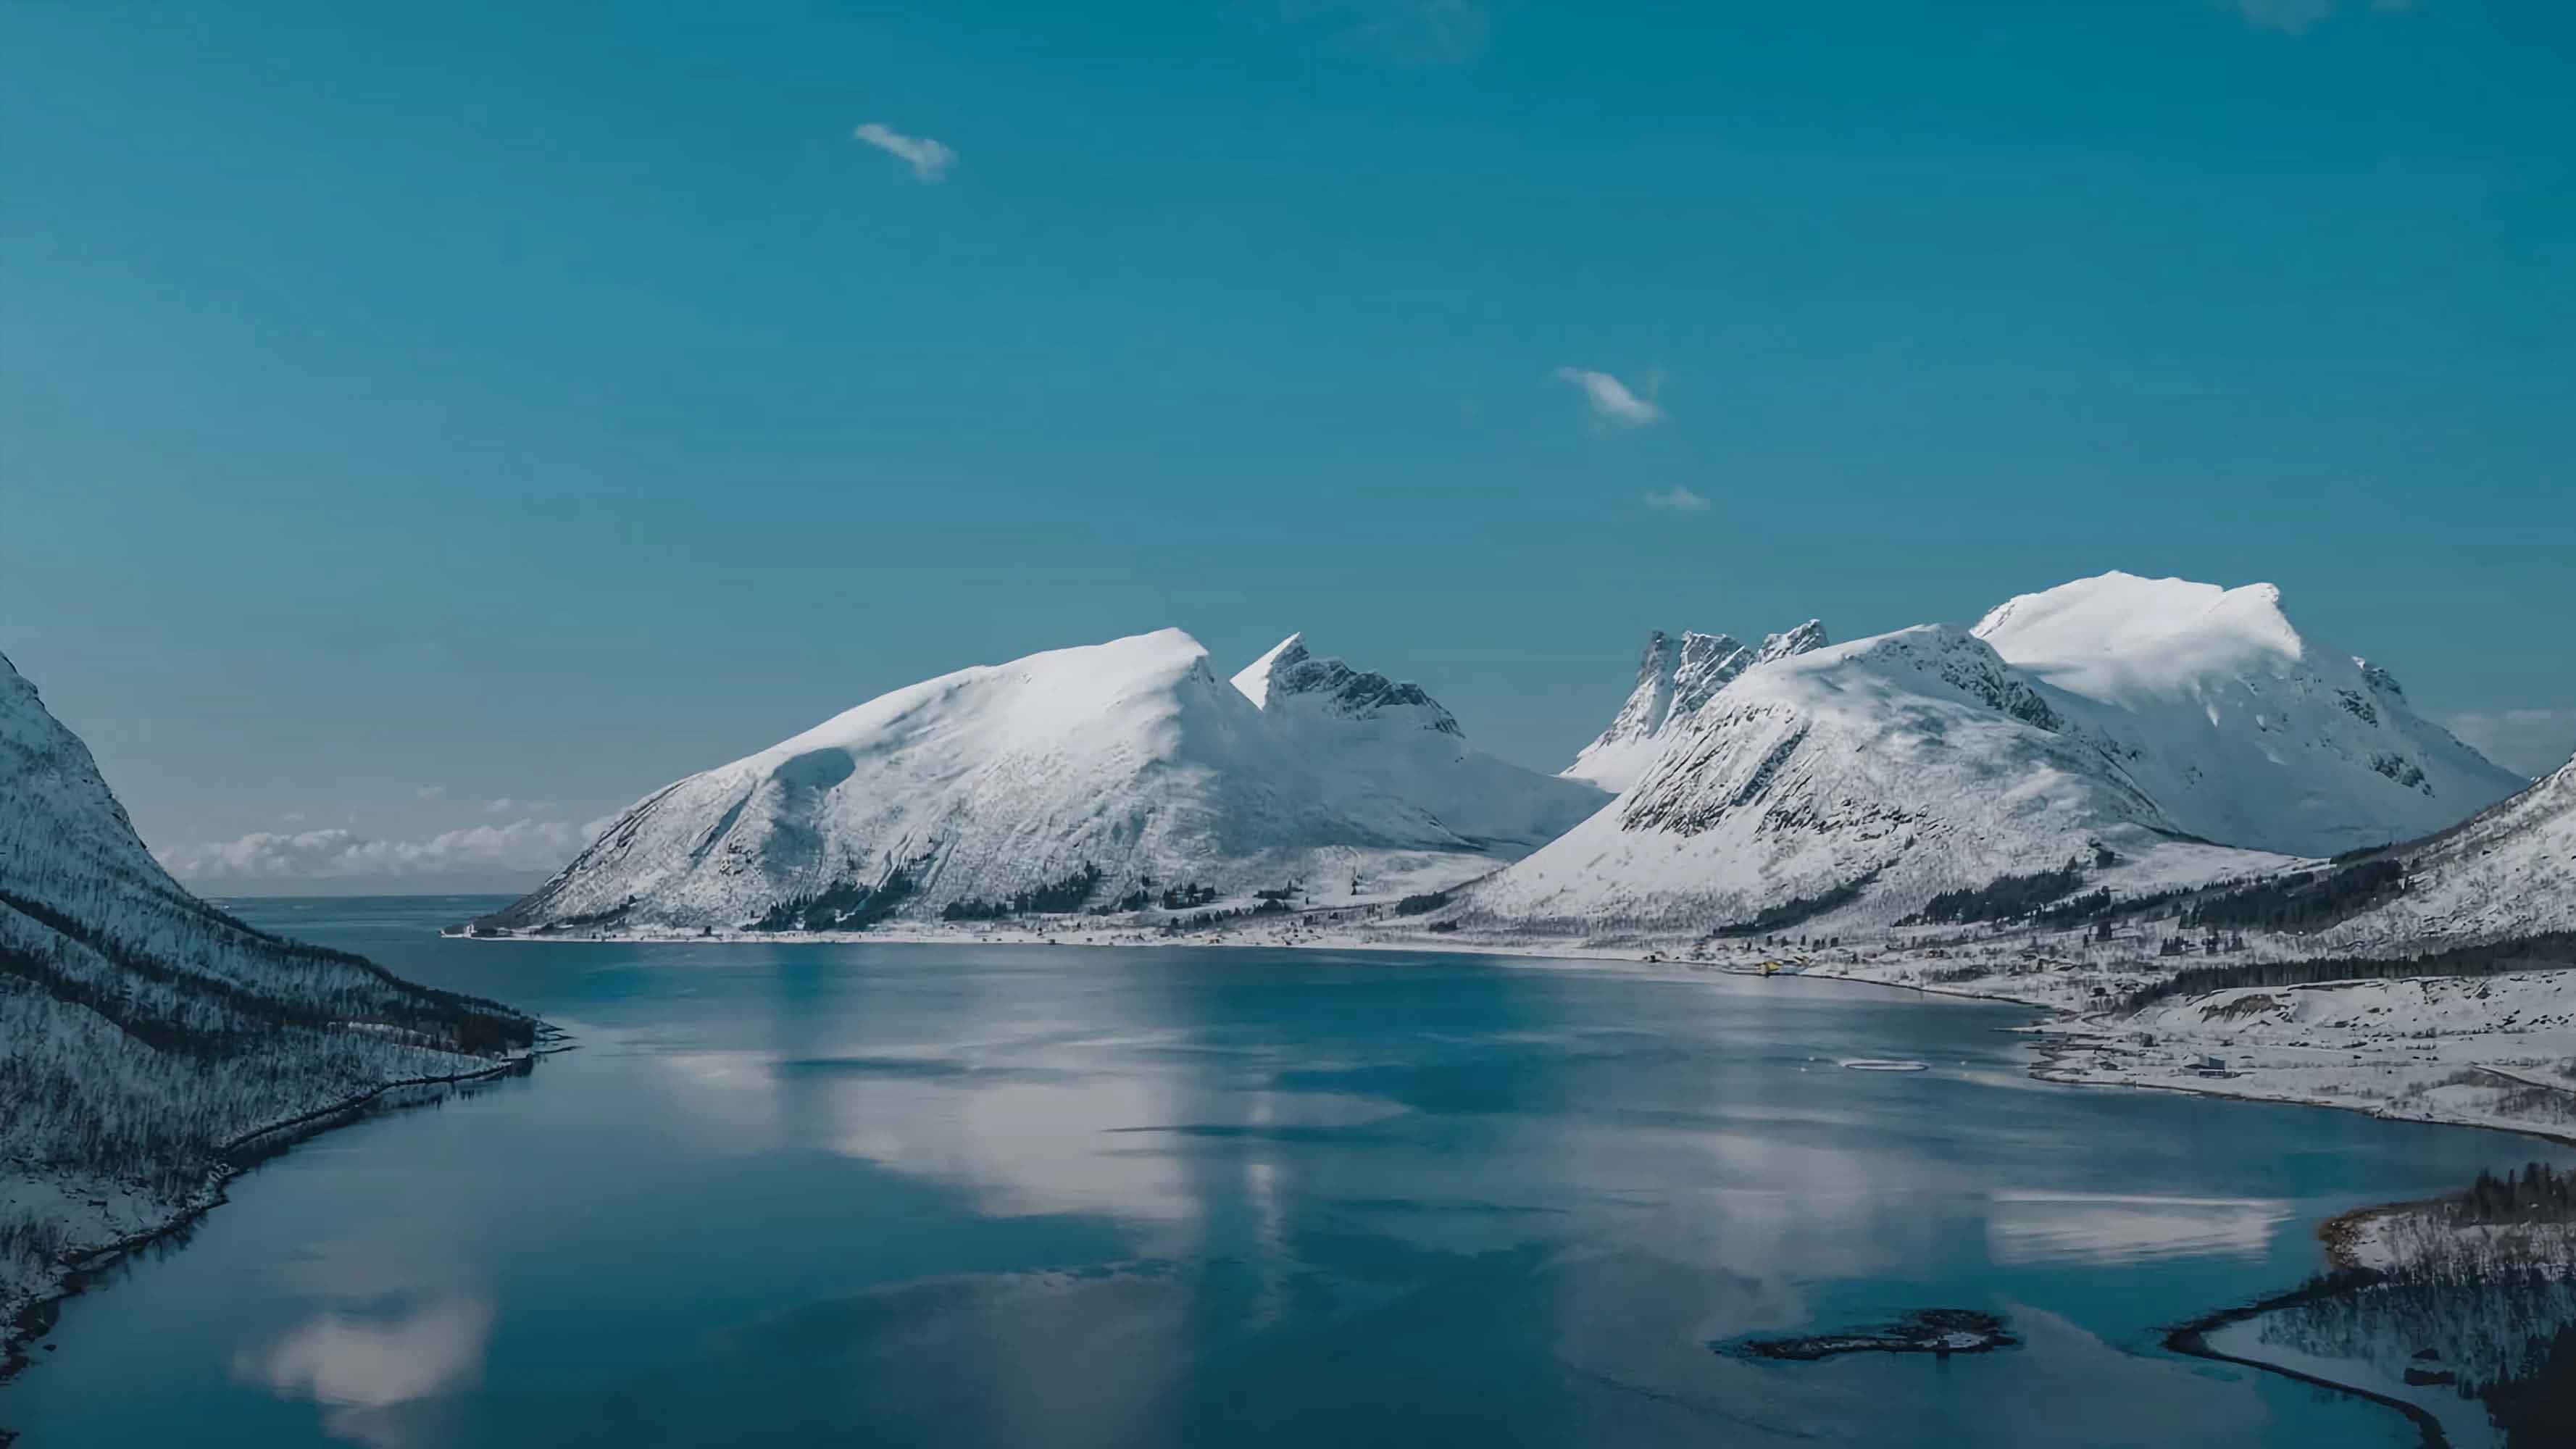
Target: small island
1938, 1331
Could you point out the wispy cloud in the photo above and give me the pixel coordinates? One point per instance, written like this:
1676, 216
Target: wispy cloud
505, 805
2532, 741
1435, 32
1676, 499
928, 159
2295, 16
340, 854
430, 792
1613, 403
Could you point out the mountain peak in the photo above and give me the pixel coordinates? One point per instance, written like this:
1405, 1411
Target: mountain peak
1291, 671
1807, 637
2243, 728
1675, 680
1253, 680
2118, 635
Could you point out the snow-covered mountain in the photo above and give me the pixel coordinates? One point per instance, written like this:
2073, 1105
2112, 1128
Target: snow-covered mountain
142, 1029
1675, 678
1844, 787
2510, 870
1070, 778
2176, 732
2243, 728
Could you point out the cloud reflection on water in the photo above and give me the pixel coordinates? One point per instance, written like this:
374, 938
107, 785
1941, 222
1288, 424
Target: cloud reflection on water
2109, 1228
353, 1363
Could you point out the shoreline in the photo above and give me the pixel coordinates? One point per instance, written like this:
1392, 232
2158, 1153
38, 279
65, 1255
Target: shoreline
2055, 1037
2190, 1339
2412, 1120
32, 1320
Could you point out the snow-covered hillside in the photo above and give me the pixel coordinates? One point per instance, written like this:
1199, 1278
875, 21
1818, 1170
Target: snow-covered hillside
2242, 728
141, 1029
2508, 871
1071, 778
1674, 679
1844, 787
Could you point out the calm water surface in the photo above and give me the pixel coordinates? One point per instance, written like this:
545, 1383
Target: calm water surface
956, 1195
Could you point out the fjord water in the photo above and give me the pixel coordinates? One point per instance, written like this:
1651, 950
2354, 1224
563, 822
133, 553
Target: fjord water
1018, 1195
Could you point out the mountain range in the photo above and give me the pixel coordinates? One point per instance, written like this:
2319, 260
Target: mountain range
2126, 734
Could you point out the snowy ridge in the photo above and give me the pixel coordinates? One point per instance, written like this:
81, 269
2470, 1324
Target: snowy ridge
1674, 682
1860, 779
1128, 758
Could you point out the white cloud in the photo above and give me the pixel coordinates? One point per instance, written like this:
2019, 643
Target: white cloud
430, 792
338, 854
292, 817
502, 806
2295, 16
1676, 499
1436, 32
1614, 404
928, 159
2532, 741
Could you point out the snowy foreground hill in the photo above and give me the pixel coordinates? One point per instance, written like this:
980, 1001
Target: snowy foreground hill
2508, 871
2158, 733
144, 1033
1124, 776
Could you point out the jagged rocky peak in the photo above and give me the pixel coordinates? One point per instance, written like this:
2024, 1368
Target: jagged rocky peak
1705, 664
1294, 676
1806, 638
1644, 710
1675, 680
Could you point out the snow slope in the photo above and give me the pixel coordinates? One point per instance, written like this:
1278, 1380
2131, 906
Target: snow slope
2239, 726
142, 1029
2486, 1050
2508, 871
1860, 778
1674, 679
1130, 758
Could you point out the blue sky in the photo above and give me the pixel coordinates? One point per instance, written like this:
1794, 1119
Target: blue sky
422, 420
